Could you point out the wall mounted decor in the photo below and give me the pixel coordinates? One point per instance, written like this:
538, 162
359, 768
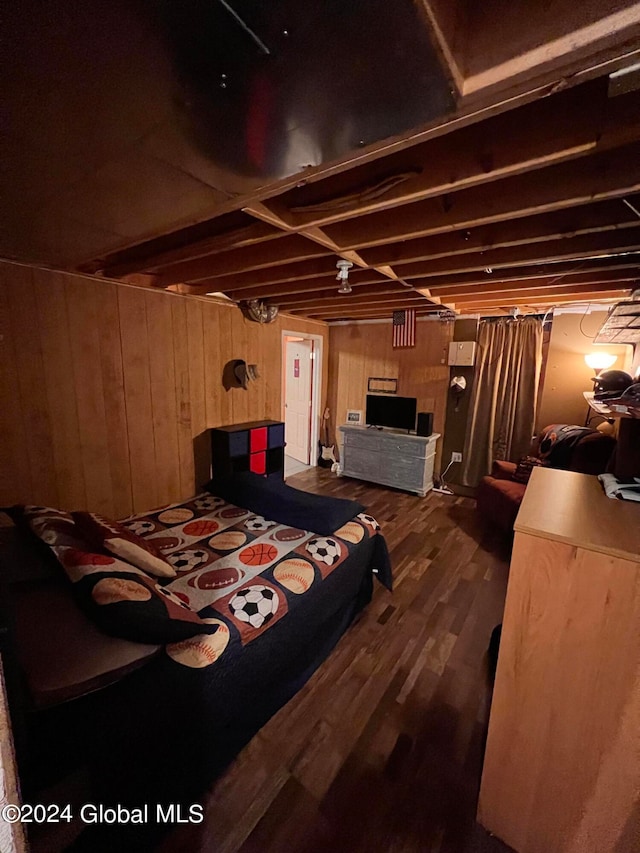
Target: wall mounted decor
259, 311
237, 374
378, 385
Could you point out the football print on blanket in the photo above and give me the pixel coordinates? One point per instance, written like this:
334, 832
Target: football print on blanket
215, 578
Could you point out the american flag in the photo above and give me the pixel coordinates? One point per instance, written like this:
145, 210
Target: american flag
404, 328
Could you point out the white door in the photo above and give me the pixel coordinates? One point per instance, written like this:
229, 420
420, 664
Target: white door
297, 412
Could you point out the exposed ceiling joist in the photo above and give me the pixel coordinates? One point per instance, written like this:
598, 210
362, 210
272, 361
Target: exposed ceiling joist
526, 188
608, 244
577, 122
587, 219
610, 175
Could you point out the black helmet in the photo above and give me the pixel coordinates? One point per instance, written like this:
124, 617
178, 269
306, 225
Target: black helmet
610, 384
631, 395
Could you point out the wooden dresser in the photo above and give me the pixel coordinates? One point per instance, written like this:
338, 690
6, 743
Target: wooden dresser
562, 765
390, 458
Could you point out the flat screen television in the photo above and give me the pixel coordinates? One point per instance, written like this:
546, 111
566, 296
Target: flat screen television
391, 411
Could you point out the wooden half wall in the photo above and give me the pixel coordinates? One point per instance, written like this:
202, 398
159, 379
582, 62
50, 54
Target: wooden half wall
360, 350
107, 390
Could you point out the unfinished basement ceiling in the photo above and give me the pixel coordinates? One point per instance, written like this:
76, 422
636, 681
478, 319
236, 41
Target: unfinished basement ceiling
241, 147
126, 119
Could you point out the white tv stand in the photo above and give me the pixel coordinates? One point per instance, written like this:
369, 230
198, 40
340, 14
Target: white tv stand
389, 457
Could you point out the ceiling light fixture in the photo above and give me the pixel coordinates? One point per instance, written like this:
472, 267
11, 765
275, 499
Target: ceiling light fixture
343, 276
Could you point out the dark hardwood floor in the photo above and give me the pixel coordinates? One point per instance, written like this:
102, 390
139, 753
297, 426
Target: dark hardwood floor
381, 751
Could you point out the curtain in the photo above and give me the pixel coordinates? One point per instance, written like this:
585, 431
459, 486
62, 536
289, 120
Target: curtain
502, 410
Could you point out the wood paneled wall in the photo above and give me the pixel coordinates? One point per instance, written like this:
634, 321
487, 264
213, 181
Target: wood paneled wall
106, 390
360, 350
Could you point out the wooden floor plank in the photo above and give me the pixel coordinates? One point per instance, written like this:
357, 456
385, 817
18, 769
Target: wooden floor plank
382, 749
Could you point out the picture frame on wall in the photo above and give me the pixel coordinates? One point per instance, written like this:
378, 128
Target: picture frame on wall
382, 385
354, 417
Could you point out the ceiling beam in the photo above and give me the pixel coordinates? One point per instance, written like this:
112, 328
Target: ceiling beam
548, 301
587, 266
400, 300
286, 250
291, 278
586, 219
521, 294
506, 299
551, 130
361, 291
602, 176
571, 248
368, 314
492, 64
156, 258
621, 279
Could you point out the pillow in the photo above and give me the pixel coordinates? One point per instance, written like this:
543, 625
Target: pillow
276, 501
125, 602
121, 599
53, 526
114, 537
524, 468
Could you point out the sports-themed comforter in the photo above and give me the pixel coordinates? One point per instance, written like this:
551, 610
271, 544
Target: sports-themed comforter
281, 598
243, 572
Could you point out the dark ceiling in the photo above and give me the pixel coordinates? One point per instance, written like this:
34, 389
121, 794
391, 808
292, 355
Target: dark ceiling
475, 156
124, 120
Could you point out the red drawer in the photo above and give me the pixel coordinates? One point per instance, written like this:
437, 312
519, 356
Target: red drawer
258, 439
258, 463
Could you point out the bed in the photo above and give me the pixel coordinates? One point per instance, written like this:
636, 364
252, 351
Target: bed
157, 722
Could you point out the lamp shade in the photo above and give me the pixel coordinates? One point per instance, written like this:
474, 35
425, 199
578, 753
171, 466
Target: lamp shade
600, 360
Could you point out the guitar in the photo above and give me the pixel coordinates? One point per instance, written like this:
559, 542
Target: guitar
326, 451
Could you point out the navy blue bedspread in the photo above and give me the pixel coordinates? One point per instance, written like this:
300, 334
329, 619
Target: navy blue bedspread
274, 499
167, 731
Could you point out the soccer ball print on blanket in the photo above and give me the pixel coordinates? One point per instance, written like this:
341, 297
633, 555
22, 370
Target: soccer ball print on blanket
255, 604
241, 569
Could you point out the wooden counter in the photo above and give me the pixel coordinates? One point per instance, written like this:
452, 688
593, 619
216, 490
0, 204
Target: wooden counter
573, 508
562, 764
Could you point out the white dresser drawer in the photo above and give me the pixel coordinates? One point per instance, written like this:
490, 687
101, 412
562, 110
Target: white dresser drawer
389, 458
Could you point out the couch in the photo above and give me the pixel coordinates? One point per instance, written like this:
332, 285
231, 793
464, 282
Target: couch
585, 451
